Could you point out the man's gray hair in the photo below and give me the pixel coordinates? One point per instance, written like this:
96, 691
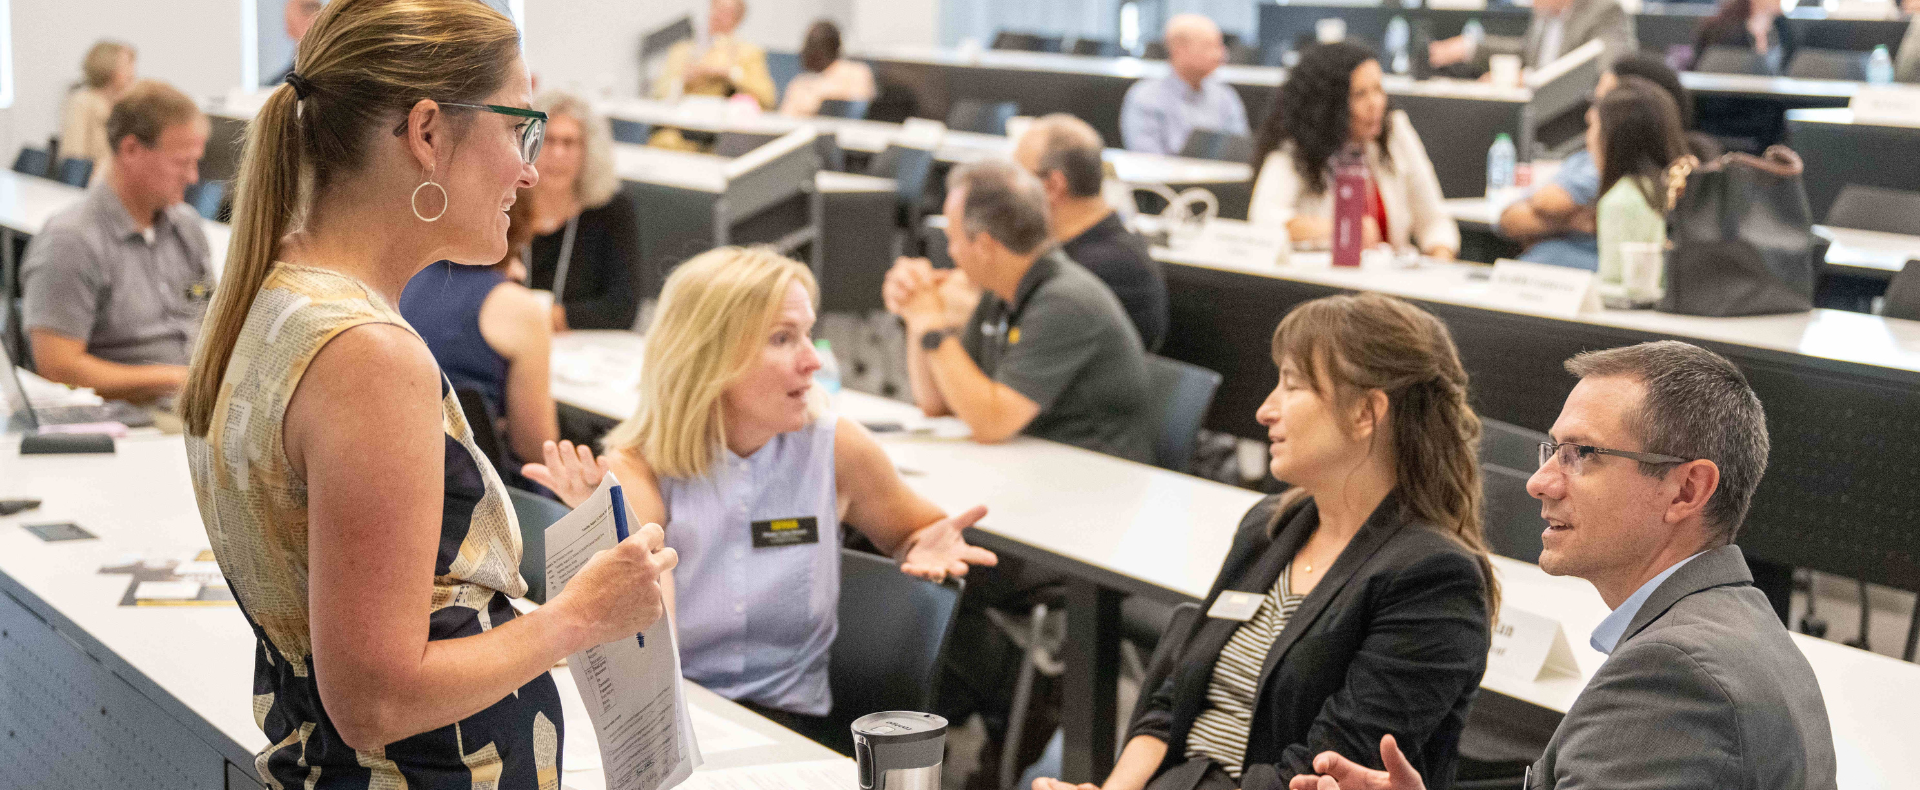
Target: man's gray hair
1698, 405
1003, 201
1071, 147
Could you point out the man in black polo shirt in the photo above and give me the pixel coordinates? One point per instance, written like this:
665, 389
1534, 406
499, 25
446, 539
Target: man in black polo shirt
1048, 351
1065, 153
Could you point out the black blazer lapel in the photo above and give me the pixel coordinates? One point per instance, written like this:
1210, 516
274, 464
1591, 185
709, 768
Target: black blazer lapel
1380, 527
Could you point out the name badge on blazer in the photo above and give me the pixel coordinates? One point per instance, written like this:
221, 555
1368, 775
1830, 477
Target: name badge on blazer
778, 532
1236, 606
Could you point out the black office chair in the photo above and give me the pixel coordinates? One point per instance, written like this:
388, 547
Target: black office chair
1732, 60
909, 168
205, 197
1828, 64
1021, 42
732, 144
1876, 208
1221, 146
74, 171
893, 628
840, 108
1903, 293
1183, 393
1511, 516
1093, 47
33, 162
1155, 50
626, 131
1242, 55
972, 115
535, 513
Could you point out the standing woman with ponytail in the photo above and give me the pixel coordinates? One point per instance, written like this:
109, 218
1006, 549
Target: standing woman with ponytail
1371, 592
368, 542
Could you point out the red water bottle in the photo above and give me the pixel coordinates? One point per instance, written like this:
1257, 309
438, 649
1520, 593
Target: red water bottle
1349, 205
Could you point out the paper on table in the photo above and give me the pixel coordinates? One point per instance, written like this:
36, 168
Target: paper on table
837, 774
716, 734
167, 591
631, 687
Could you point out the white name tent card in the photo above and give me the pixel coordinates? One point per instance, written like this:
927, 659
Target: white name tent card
1242, 243
921, 133
1537, 287
1887, 106
1528, 645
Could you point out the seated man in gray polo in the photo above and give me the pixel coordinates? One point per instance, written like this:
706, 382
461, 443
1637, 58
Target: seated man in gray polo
1047, 350
115, 286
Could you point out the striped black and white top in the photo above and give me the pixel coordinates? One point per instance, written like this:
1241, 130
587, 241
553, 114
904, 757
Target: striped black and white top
1220, 733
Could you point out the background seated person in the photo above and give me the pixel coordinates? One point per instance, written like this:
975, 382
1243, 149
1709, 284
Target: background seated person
1376, 594
1555, 28
731, 435
586, 231
1748, 24
493, 335
1158, 114
1064, 152
1557, 219
1047, 350
1331, 100
719, 64
1702, 686
825, 75
106, 74
114, 287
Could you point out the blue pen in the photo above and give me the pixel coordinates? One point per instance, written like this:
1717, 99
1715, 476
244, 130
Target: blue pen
620, 532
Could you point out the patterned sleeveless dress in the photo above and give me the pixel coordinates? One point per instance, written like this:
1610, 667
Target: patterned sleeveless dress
255, 511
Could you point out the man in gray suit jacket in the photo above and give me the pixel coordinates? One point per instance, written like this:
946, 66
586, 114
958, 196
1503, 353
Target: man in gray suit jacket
1702, 687
1557, 28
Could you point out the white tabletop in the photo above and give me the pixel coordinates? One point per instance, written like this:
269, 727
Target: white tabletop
203, 656
873, 136
1175, 530
707, 173
1837, 335
27, 202
1773, 86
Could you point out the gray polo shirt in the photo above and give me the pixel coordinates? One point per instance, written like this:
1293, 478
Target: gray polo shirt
1066, 344
89, 274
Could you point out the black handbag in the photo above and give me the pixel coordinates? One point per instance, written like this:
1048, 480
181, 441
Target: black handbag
1742, 239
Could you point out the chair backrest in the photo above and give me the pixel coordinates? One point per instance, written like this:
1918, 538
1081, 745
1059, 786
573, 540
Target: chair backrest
1222, 146
206, 196
893, 628
782, 67
973, 115
1903, 293
1732, 60
1155, 50
1022, 42
634, 132
842, 108
486, 435
75, 171
1183, 392
1094, 47
33, 162
909, 168
1828, 64
1876, 208
739, 143
535, 513
1510, 516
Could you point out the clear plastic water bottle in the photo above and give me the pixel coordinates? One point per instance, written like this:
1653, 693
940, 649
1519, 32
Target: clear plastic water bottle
1474, 32
1395, 44
828, 376
1502, 163
1880, 66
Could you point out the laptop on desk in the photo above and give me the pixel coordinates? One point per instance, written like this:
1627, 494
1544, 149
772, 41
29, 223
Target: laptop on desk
27, 418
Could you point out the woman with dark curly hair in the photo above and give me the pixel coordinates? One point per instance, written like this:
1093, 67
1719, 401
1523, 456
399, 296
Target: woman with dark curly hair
1333, 98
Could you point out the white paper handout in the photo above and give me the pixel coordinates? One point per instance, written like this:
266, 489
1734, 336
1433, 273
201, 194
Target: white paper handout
837, 774
631, 687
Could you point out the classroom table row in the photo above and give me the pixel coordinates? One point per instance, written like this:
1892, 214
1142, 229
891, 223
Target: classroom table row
97, 694
1120, 527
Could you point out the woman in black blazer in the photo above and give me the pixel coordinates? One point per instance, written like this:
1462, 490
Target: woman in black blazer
1357, 603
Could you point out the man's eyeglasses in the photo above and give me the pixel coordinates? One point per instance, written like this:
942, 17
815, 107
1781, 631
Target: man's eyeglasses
532, 131
1573, 456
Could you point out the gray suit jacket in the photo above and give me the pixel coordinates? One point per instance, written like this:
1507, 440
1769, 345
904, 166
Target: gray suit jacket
1586, 21
1705, 690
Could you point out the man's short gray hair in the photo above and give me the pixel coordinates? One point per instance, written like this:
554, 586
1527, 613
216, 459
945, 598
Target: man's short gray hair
1071, 147
1003, 201
1698, 405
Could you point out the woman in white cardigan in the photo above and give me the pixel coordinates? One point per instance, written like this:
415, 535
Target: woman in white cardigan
1331, 99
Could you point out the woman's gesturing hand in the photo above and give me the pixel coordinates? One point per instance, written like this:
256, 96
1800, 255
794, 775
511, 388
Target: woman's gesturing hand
571, 472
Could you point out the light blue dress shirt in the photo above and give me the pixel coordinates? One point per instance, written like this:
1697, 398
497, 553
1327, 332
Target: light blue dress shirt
755, 624
1607, 636
1160, 113
1579, 177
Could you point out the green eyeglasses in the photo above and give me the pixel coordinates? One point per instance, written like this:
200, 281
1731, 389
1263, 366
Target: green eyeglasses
532, 131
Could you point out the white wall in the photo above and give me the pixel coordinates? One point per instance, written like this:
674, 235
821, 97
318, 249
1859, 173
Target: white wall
193, 44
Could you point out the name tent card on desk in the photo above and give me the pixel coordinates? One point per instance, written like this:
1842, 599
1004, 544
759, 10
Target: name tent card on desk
1242, 243
1886, 106
1539, 288
921, 133
1528, 645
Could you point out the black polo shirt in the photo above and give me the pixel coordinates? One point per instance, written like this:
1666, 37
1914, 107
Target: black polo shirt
1120, 259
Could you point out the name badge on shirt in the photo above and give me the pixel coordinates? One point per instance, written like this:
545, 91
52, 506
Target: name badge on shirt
786, 532
1236, 606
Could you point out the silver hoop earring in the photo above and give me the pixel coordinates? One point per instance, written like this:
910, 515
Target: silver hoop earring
415, 201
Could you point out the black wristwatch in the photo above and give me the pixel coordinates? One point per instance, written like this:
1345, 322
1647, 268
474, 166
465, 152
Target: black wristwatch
931, 339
